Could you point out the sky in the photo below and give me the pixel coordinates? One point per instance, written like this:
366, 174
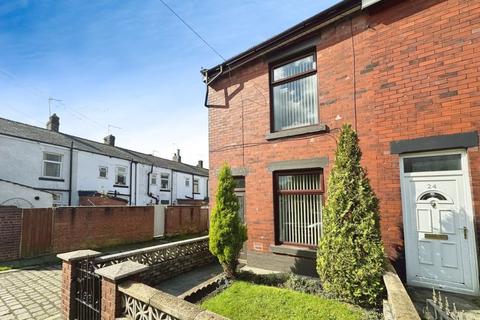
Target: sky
128, 68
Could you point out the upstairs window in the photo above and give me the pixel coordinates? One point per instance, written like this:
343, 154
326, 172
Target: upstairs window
121, 176
187, 182
102, 172
165, 181
153, 179
52, 165
294, 93
196, 186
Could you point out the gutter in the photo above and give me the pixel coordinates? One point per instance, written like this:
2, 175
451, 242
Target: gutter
302, 29
208, 81
148, 186
70, 174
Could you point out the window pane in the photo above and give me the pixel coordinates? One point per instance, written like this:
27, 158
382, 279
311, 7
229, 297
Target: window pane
239, 182
52, 169
164, 184
195, 186
295, 103
103, 172
299, 210
293, 68
434, 163
52, 157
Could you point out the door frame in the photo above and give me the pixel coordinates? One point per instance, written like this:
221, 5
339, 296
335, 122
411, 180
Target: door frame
407, 223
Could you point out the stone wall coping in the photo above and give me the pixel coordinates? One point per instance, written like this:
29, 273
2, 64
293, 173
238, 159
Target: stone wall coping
78, 255
178, 308
401, 305
148, 249
121, 270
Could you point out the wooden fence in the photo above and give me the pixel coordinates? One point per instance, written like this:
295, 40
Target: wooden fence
185, 220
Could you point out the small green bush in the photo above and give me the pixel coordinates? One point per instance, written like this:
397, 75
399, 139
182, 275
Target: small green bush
304, 284
271, 279
227, 232
350, 259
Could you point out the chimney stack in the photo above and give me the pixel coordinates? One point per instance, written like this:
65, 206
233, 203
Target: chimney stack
200, 164
177, 157
110, 140
53, 123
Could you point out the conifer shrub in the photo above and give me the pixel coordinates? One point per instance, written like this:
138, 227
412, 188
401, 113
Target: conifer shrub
227, 233
350, 257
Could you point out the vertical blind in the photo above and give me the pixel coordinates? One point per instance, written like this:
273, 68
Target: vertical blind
295, 101
299, 208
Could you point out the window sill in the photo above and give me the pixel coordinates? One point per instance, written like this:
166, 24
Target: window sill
51, 179
196, 193
120, 186
164, 190
319, 128
294, 251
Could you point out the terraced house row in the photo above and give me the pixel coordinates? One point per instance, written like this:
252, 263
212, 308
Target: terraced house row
45, 162
406, 76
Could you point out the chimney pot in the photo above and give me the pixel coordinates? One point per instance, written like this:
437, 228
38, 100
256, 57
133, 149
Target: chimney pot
110, 140
177, 157
53, 123
200, 164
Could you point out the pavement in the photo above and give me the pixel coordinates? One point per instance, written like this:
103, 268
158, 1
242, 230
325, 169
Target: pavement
469, 305
31, 293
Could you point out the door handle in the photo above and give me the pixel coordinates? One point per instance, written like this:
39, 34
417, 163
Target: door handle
465, 232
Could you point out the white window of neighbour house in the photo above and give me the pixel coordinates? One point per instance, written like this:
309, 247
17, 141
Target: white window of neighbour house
57, 199
187, 182
165, 181
196, 188
52, 165
103, 172
121, 176
153, 179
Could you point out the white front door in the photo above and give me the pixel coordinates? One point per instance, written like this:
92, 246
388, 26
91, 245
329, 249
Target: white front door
438, 222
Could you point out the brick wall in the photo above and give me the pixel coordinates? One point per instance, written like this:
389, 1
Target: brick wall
411, 69
93, 227
10, 232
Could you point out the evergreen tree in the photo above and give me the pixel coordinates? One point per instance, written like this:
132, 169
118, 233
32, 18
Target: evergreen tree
227, 232
350, 258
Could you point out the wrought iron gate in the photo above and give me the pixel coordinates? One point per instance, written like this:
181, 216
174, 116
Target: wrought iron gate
88, 297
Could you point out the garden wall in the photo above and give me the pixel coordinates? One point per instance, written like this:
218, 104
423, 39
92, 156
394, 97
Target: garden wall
10, 232
185, 220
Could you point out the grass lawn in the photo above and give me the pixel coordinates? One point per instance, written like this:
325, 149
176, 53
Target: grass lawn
245, 301
4, 268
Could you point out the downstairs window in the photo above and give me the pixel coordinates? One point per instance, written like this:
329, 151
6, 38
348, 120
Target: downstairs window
299, 206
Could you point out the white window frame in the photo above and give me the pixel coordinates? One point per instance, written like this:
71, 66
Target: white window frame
197, 182
44, 162
59, 201
106, 172
117, 169
152, 177
187, 182
163, 178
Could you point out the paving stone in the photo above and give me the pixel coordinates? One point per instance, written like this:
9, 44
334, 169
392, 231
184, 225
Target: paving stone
31, 294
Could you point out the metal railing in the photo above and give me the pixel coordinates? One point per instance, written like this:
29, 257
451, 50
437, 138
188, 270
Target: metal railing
439, 308
87, 291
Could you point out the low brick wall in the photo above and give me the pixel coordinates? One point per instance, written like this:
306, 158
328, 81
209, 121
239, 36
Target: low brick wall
185, 220
94, 227
10, 232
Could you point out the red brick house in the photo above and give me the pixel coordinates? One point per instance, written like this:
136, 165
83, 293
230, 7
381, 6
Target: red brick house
406, 75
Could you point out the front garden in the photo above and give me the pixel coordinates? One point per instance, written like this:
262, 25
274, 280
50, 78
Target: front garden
244, 301
350, 255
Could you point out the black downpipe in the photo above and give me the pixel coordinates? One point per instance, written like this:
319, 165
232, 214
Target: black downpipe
207, 82
71, 174
148, 186
130, 187
136, 163
193, 182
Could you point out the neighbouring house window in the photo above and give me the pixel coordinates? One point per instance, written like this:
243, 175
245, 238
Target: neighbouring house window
187, 182
299, 207
52, 165
164, 181
103, 172
57, 199
294, 94
153, 179
196, 188
121, 176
